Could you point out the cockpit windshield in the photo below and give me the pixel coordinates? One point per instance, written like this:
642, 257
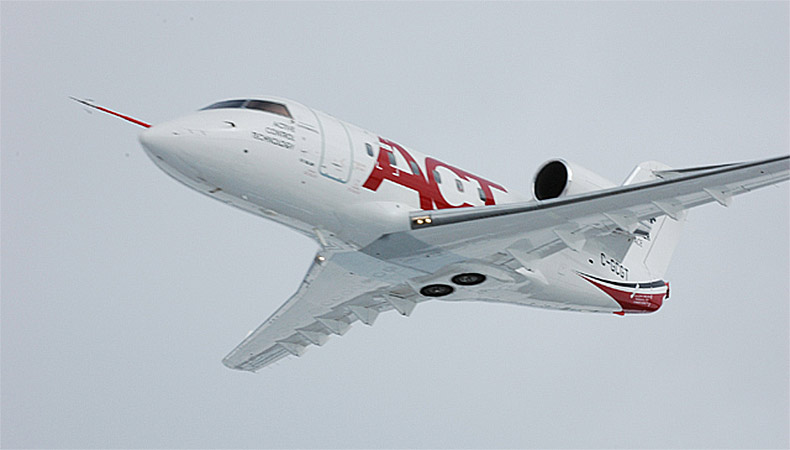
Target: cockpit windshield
260, 105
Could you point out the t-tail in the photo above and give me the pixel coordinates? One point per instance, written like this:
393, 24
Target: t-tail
655, 239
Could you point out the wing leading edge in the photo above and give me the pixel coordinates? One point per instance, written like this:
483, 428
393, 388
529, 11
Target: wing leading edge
570, 218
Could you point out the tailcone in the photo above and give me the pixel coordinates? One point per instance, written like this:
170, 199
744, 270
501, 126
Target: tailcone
633, 298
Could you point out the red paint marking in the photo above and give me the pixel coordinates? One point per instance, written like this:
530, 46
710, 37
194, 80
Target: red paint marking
485, 185
423, 183
631, 301
430, 165
384, 171
116, 114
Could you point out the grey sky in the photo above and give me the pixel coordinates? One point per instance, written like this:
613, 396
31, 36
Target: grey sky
122, 290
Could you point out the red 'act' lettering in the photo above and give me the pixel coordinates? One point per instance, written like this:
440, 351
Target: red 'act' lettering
384, 171
427, 188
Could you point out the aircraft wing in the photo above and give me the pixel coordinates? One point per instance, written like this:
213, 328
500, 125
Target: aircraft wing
347, 286
338, 289
540, 228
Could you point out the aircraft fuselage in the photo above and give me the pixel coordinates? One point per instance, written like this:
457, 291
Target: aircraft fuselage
329, 179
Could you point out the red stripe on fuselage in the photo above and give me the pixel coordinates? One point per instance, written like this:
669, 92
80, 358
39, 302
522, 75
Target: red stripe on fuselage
631, 301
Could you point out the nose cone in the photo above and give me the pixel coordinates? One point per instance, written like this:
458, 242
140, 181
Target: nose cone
170, 151
157, 142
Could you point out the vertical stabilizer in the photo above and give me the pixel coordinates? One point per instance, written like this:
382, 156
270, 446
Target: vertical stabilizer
649, 257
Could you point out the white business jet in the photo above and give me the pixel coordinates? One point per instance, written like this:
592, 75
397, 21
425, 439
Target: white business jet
397, 228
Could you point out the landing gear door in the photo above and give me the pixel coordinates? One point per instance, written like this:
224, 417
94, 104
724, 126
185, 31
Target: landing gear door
337, 156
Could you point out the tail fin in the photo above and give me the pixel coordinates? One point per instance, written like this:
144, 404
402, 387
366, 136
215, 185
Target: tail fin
648, 258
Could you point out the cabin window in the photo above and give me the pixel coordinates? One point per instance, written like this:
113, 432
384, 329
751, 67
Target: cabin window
436, 176
481, 194
391, 157
459, 185
415, 169
369, 149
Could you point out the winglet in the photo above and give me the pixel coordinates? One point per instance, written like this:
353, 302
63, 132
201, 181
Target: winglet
116, 114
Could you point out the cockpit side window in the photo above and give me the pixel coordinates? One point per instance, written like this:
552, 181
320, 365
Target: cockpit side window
225, 104
274, 108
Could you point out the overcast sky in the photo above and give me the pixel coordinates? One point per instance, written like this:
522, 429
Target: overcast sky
122, 290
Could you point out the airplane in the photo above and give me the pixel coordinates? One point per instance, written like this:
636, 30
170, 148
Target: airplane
396, 228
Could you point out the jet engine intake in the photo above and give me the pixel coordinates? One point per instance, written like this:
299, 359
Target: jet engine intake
558, 178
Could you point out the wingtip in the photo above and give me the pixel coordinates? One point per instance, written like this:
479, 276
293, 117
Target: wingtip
235, 365
230, 365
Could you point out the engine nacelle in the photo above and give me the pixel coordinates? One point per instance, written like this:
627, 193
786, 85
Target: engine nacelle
557, 178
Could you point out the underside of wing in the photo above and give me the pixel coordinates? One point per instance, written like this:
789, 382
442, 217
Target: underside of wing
338, 289
487, 254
